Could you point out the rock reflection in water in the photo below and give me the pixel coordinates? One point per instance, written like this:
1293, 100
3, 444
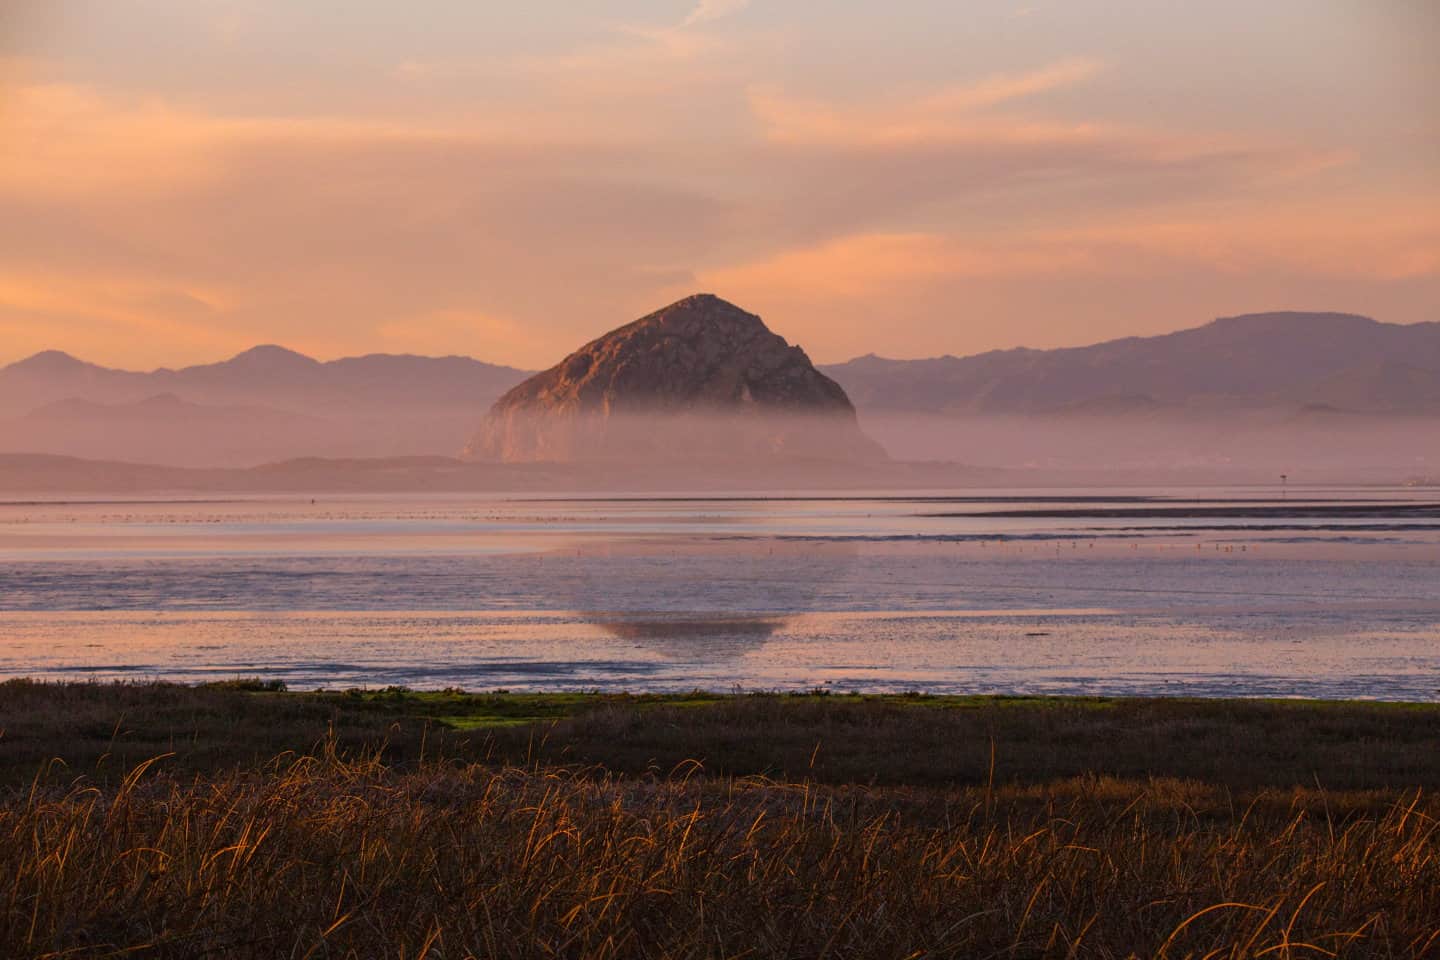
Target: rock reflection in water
699, 639
685, 612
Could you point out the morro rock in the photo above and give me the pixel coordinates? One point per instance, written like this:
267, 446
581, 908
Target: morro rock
700, 379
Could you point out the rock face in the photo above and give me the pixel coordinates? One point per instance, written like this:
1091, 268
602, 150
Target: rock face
700, 378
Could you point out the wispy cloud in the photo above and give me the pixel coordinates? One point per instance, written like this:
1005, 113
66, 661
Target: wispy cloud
1398, 242
69, 140
951, 113
1003, 87
708, 10
108, 312
867, 265
138, 220
1044, 283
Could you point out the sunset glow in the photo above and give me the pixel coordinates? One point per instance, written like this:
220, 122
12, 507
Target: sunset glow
180, 181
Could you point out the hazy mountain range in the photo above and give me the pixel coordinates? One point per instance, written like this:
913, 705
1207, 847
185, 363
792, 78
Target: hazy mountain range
1301, 373
267, 403
268, 375
1295, 360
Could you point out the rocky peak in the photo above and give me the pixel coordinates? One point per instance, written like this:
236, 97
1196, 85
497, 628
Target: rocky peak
702, 360
700, 352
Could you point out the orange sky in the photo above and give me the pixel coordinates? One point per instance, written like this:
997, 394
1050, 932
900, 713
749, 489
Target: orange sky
181, 179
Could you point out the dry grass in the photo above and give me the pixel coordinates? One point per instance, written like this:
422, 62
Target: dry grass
333, 859
338, 852
100, 731
1241, 744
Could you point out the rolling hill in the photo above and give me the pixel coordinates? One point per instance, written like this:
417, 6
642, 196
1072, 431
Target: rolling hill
1260, 360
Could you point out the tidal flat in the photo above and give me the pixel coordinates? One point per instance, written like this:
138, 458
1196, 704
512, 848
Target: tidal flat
1334, 593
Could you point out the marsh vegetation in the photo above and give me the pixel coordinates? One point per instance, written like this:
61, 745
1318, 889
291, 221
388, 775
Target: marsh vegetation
154, 820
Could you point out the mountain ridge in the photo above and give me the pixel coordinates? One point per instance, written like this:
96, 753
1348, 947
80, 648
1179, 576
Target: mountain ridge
1275, 365
264, 354
62, 357
268, 402
1275, 358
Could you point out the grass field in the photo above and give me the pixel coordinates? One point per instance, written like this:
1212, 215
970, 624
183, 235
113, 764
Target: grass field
164, 821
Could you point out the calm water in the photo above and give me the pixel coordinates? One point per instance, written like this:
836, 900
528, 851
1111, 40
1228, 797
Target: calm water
1329, 593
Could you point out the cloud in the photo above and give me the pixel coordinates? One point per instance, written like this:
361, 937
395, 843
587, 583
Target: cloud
70, 140
1398, 240
108, 313
1386, 239
636, 60
707, 10
142, 231
954, 113
919, 294
326, 234
866, 265
1002, 88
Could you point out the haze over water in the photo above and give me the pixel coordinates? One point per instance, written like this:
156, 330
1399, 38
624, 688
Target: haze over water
1321, 592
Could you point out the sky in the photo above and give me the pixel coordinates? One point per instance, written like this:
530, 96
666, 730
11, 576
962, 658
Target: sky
183, 179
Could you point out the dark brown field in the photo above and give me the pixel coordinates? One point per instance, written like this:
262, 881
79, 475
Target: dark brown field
162, 821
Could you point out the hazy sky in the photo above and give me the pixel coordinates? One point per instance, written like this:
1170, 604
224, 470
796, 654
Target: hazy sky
181, 179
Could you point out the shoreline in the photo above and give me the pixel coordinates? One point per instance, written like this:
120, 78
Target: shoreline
97, 729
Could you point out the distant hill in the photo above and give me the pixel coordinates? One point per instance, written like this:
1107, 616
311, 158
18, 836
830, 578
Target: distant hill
159, 408
43, 477
268, 403
1289, 385
166, 429
1337, 360
267, 376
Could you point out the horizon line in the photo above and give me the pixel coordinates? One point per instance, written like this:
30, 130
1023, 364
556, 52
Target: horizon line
61, 353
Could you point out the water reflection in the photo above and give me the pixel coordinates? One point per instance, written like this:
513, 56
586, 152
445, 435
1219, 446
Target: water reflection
698, 639
783, 594
691, 608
